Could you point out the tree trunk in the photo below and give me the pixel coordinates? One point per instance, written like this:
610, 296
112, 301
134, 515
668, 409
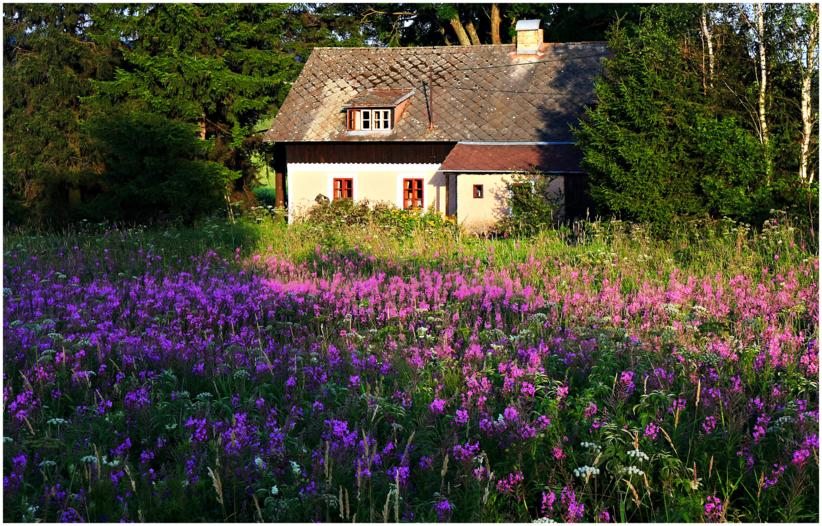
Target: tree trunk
708, 39
806, 174
445, 39
203, 128
472, 33
495, 23
763, 86
462, 36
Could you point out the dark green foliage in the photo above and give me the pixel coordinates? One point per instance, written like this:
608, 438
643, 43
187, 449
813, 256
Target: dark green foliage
333, 217
266, 196
48, 61
533, 206
663, 144
155, 168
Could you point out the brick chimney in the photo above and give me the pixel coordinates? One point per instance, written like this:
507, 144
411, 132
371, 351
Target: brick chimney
529, 37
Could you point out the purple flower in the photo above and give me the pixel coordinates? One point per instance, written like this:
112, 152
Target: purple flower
547, 506
510, 414
462, 417
443, 509
713, 509
574, 510
437, 407
652, 431
591, 410
709, 424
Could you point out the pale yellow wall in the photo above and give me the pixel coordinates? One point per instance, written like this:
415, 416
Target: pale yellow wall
375, 182
383, 183
480, 215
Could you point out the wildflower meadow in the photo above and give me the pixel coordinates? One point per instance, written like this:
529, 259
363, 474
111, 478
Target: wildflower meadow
263, 372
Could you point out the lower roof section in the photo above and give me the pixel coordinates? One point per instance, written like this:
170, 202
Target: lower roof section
554, 157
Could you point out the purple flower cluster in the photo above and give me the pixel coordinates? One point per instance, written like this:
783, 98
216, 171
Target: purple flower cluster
343, 376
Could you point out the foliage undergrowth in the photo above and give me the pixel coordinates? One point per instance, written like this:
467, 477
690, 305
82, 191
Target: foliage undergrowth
258, 371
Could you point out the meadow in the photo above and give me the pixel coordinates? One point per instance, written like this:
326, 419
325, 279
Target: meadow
253, 371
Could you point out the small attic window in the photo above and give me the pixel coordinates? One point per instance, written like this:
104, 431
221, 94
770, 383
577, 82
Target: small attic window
369, 119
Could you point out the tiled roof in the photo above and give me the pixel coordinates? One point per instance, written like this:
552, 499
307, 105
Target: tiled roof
513, 158
480, 93
380, 98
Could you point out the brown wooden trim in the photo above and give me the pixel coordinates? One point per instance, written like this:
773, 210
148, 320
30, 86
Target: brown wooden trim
368, 152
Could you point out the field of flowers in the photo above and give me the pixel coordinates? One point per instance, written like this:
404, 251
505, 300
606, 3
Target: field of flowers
589, 378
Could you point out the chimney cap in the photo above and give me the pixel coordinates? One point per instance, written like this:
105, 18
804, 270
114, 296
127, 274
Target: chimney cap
527, 25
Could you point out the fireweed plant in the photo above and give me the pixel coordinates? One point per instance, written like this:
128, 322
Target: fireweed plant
608, 378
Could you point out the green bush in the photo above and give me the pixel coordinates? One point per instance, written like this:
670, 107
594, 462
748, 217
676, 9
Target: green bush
266, 195
533, 206
386, 217
155, 168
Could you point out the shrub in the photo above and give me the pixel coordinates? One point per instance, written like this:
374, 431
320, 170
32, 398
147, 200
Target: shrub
342, 213
266, 195
154, 168
533, 206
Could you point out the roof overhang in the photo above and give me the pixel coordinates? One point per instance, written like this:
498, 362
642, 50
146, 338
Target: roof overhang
560, 157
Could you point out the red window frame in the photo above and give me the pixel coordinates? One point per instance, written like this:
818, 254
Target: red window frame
478, 191
413, 194
343, 188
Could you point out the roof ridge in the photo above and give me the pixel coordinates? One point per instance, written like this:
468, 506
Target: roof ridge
454, 47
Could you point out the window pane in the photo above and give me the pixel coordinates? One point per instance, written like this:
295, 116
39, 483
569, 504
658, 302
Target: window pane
366, 120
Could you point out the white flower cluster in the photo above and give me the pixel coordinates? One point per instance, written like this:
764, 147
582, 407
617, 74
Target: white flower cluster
586, 471
47, 464
638, 454
241, 374
632, 470
57, 421
89, 459
295, 468
591, 445
8, 440
543, 520
112, 464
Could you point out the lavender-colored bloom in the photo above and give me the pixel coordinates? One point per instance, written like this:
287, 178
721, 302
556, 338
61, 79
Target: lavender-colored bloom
443, 509
511, 415
651, 431
437, 407
713, 509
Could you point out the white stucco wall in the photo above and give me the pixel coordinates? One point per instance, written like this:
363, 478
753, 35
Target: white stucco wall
374, 182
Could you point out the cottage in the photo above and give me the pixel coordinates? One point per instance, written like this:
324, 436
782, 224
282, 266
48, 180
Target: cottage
436, 127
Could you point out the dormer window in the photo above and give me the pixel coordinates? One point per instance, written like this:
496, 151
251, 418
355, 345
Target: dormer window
376, 109
360, 119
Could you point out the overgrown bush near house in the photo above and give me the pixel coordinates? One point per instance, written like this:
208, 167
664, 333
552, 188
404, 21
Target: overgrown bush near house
342, 214
532, 206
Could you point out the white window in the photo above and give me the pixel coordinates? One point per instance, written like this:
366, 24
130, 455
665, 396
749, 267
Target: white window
366, 120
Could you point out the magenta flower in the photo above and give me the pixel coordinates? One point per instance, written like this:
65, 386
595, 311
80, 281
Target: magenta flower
651, 431
437, 407
713, 509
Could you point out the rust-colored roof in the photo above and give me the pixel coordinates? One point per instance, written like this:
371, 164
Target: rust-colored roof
491, 157
480, 93
380, 98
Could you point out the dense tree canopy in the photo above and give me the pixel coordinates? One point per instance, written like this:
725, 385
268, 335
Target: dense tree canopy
703, 109
677, 128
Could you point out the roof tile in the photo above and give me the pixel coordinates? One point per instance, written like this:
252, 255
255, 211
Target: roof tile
478, 92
